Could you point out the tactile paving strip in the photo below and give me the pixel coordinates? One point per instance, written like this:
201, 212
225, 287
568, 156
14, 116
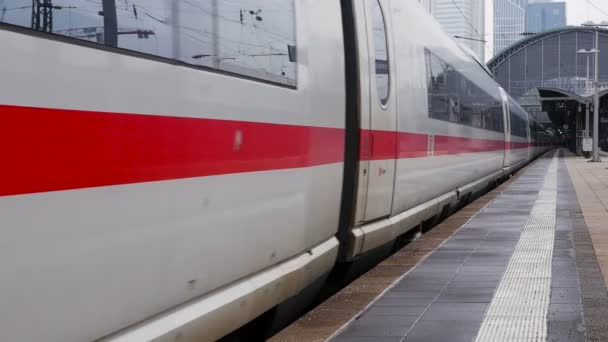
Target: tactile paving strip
518, 310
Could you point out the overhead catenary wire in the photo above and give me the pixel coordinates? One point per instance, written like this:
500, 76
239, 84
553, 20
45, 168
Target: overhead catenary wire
596, 7
467, 19
472, 26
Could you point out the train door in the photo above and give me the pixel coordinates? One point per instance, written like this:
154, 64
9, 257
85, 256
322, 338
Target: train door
378, 113
383, 113
507, 121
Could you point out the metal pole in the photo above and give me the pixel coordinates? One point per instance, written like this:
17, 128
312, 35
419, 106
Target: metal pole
215, 34
596, 109
110, 23
587, 105
175, 30
579, 123
588, 80
587, 119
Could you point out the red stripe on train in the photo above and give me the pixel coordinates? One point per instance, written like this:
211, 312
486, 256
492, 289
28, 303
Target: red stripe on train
516, 145
54, 149
454, 145
381, 145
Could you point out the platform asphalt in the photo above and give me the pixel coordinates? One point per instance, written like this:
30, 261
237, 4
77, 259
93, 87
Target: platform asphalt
526, 262
472, 287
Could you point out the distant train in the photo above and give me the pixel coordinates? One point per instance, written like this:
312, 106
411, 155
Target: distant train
174, 169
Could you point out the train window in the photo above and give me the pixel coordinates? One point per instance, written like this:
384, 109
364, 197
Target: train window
380, 52
254, 38
519, 126
73, 18
453, 97
532, 133
437, 86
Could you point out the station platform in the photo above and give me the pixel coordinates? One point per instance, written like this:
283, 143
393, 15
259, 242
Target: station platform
526, 262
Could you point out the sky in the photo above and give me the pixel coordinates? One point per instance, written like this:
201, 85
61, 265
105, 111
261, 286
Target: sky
577, 11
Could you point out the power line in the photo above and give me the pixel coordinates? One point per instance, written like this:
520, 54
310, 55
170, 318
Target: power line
467, 19
473, 27
597, 7
469, 38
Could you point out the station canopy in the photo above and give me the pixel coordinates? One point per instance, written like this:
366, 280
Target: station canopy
548, 66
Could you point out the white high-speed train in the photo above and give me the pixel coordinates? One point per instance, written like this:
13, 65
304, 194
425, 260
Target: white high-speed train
171, 170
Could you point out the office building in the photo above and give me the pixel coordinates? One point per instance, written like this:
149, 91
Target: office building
426, 4
545, 16
509, 22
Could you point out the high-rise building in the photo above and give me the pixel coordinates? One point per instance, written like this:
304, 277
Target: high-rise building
544, 16
509, 22
462, 18
426, 4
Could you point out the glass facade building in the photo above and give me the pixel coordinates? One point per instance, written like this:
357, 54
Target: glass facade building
545, 16
509, 22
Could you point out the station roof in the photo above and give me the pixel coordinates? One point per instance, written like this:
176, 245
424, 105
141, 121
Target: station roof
549, 60
534, 38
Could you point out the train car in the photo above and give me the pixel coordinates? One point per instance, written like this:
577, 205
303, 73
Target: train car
175, 169
435, 126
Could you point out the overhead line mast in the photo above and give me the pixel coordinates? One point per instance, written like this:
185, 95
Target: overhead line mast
42, 15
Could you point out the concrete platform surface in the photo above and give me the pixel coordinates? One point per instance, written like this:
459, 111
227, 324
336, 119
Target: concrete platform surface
526, 262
